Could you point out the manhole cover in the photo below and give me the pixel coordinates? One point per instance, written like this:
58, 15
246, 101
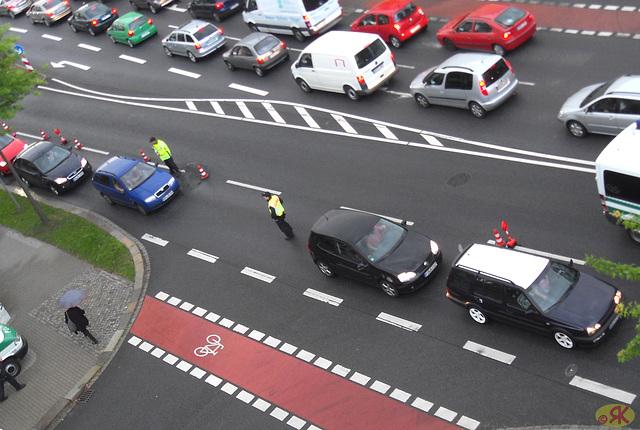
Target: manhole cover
86, 395
458, 179
571, 370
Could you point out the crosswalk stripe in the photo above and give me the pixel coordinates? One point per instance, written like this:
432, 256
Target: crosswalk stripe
386, 132
305, 115
274, 114
344, 124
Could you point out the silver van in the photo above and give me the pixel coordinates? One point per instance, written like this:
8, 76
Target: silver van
604, 108
478, 82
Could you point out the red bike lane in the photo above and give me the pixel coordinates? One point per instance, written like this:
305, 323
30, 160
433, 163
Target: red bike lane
305, 390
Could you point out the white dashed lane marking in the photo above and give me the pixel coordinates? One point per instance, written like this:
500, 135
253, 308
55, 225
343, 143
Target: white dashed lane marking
258, 275
202, 256
603, 390
488, 352
323, 297
153, 239
184, 73
132, 59
398, 322
89, 47
51, 37
248, 89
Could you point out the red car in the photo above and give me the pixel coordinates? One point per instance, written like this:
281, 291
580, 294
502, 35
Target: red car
494, 27
394, 20
10, 147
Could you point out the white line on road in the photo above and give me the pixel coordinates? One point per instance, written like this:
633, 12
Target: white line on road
217, 108
202, 256
529, 84
396, 220
385, 131
245, 110
485, 351
132, 59
253, 187
344, 124
248, 89
332, 300
184, 73
175, 8
191, 105
89, 47
95, 151
60, 64
273, 112
431, 139
258, 275
307, 118
51, 37
18, 30
398, 322
603, 390
153, 239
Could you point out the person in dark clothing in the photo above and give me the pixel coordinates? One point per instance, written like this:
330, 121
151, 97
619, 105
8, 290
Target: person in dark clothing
274, 204
76, 315
4, 376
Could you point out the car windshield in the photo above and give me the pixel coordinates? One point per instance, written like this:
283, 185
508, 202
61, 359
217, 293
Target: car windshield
405, 12
552, 286
310, 5
381, 240
510, 16
370, 53
5, 139
266, 45
204, 32
595, 94
51, 159
137, 175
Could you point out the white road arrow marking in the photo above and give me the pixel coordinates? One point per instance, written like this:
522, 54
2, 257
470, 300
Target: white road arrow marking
61, 64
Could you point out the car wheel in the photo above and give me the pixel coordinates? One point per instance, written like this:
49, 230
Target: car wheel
422, 101
303, 85
395, 42
477, 110
191, 56
258, 71
54, 190
635, 236
351, 93
298, 35
152, 8
130, 43
112, 38
134, 6
75, 30
12, 15
12, 366
168, 52
326, 270
449, 45
477, 315
230, 66
107, 198
499, 50
216, 17
27, 183
577, 129
388, 288
92, 32
141, 209
31, 20
253, 28
563, 339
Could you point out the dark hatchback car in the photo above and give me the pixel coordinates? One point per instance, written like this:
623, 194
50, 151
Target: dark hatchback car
258, 52
93, 17
535, 293
373, 250
44, 164
216, 9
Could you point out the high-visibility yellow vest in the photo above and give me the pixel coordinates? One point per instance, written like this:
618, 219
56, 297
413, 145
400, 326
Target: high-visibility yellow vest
162, 149
274, 202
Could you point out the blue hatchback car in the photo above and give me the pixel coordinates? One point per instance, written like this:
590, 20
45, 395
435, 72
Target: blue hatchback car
134, 183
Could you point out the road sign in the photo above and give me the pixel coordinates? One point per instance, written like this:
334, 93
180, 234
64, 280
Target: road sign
19, 49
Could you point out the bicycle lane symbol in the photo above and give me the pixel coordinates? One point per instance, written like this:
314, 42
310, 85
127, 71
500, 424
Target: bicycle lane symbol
213, 346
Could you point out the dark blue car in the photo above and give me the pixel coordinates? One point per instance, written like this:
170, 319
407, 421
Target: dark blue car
134, 183
215, 9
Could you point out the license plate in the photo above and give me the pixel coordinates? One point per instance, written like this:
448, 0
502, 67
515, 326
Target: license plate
145, 34
503, 83
414, 29
169, 194
78, 176
430, 269
615, 320
521, 26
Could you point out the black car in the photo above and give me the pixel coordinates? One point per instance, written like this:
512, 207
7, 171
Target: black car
153, 5
216, 9
93, 17
373, 250
44, 164
535, 293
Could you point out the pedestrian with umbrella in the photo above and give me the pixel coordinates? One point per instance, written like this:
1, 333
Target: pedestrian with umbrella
74, 316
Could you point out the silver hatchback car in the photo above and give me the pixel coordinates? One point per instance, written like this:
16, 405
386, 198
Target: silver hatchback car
604, 108
478, 82
48, 11
13, 8
195, 39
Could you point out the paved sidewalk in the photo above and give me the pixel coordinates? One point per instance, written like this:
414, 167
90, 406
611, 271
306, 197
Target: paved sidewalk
59, 364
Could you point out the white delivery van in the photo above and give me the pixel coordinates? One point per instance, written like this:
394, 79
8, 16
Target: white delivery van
618, 178
345, 62
302, 18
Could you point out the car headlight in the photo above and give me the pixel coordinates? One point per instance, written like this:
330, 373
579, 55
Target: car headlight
2, 163
434, 247
595, 328
83, 162
60, 181
172, 181
406, 276
618, 297
150, 199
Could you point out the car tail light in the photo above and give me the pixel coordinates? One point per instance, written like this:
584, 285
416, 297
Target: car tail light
94, 22
219, 5
220, 30
49, 13
530, 18
149, 21
508, 65
197, 45
483, 88
260, 60
506, 35
130, 32
391, 55
66, 2
396, 26
420, 11
114, 11
9, 6
283, 45
306, 20
360, 80
603, 202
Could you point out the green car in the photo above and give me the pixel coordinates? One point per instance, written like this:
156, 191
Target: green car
131, 28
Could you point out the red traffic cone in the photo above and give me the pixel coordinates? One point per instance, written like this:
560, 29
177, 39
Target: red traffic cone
499, 241
78, 144
511, 242
44, 135
144, 156
62, 139
6, 127
203, 174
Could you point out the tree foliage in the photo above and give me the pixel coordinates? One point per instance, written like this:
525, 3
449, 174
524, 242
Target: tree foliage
15, 81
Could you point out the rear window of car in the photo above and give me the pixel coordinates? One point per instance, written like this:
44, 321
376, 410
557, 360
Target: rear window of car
95, 10
495, 72
137, 23
405, 12
310, 5
266, 45
204, 32
510, 16
370, 53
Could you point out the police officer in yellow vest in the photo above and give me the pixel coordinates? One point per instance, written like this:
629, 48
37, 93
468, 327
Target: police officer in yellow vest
277, 213
163, 151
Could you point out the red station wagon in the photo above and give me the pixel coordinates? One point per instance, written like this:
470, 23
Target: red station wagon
393, 20
494, 27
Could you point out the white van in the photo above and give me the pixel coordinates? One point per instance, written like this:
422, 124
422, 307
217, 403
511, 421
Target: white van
345, 62
618, 178
302, 18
